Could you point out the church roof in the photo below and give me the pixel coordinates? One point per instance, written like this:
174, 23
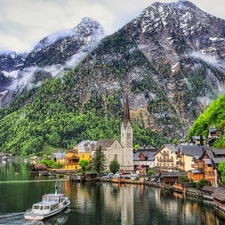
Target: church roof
126, 118
105, 143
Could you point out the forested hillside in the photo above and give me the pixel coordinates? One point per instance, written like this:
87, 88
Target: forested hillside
54, 115
213, 115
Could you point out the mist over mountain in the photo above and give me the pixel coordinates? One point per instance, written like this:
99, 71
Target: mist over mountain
169, 59
51, 56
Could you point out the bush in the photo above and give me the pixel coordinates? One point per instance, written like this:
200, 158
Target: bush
201, 183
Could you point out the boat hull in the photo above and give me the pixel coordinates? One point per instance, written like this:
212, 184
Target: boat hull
29, 215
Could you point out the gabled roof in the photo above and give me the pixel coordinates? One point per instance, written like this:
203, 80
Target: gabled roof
104, 143
219, 194
84, 145
210, 153
192, 150
148, 154
171, 147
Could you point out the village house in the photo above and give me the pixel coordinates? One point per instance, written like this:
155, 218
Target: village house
166, 158
213, 134
144, 159
71, 159
59, 156
196, 140
186, 153
85, 148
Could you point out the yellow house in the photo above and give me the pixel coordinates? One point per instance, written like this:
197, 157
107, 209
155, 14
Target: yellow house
84, 149
71, 159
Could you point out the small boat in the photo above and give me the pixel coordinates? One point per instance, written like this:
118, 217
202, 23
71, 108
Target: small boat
50, 205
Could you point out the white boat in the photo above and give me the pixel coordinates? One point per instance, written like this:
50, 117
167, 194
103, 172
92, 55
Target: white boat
50, 205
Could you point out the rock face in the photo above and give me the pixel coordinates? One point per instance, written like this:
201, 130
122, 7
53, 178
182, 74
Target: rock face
54, 53
170, 60
60, 47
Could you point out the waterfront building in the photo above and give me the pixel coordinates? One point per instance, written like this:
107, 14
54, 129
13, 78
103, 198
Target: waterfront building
59, 156
84, 149
71, 159
144, 159
166, 158
186, 154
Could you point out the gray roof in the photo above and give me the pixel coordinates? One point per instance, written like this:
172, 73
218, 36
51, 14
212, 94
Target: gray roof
208, 161
209, 188
210, 153
192, 150
197, 171
104, 143
149, 154
219, 152
212, 128
218, 160
85, 146
173, 174
219, 194
172, 147
147, 147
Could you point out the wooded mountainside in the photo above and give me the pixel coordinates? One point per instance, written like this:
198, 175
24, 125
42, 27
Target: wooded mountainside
213, 115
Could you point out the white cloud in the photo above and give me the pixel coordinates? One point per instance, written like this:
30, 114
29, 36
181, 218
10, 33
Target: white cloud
206, 58
24, 22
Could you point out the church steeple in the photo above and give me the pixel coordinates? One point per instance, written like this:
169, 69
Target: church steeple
126, 118
127, 138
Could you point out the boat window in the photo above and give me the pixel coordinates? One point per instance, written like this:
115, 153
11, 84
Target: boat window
36, 206
46, 207
56, 200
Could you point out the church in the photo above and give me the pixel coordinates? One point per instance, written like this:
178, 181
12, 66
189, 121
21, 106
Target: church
122, 152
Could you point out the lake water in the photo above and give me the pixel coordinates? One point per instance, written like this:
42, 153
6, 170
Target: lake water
99, 203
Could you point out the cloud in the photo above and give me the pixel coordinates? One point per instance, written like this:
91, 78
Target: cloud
206, 58
23, 23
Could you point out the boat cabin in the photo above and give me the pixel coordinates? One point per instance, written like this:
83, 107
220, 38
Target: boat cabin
49, 203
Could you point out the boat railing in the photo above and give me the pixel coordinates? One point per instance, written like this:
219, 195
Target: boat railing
29, 210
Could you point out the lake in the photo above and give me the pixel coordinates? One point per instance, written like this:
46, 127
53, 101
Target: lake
99, 203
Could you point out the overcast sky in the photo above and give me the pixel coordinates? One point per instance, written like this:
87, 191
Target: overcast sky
23, 23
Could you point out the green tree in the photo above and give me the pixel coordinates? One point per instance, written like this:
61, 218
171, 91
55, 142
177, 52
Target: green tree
201, 183
221, 168
98, 160
150, 172
83, 163
114, 166
182, 179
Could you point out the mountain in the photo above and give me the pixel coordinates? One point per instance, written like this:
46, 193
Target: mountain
10, 64
170, 61
53, 54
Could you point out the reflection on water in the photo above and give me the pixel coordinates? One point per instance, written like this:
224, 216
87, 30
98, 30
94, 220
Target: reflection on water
101, 203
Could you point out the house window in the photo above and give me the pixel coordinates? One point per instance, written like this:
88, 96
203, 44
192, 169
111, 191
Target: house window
82, 156
115, 156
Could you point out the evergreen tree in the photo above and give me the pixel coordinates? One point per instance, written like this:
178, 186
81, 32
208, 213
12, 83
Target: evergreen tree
98, 160
114, 166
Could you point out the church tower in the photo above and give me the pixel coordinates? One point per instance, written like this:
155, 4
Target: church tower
127, 139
